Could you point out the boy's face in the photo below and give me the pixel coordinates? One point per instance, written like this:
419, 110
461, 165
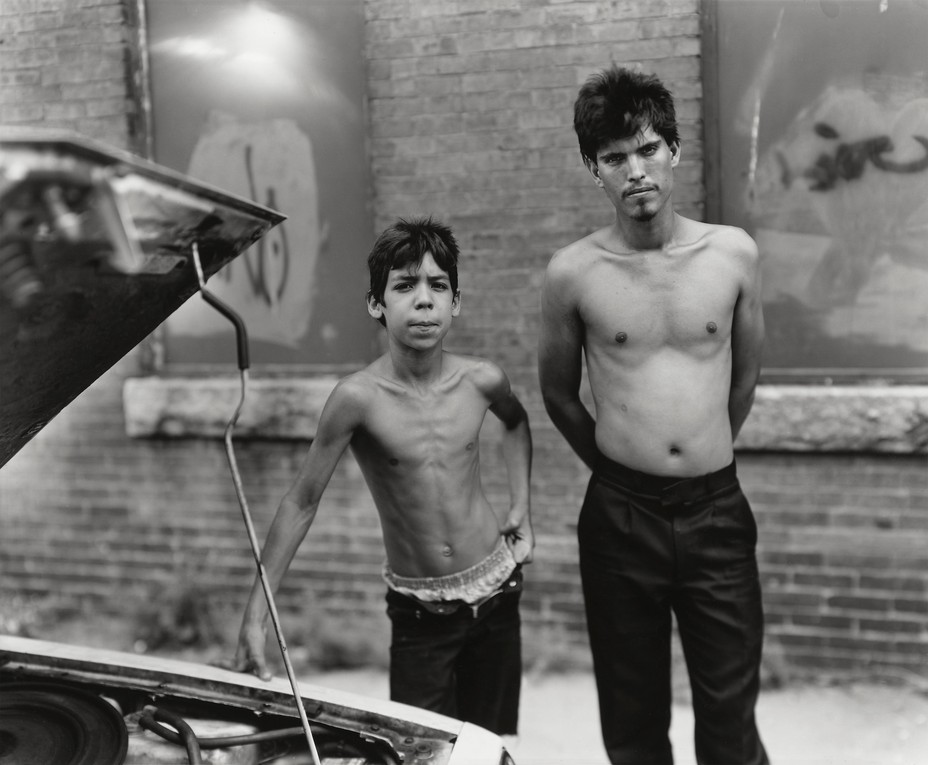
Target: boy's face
418, 303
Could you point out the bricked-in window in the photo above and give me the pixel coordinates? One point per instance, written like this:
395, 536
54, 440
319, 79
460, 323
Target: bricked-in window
266, 101
817, 144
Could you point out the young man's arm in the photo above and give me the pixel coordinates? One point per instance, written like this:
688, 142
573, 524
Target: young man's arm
295, 514
517, 454
747, 340
560, 359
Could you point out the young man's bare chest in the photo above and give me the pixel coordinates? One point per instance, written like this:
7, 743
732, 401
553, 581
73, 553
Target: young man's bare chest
657, 300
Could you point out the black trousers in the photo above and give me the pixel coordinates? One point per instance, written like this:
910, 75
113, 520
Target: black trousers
652, 545
464, 663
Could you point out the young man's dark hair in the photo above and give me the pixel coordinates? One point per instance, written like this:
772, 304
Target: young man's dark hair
618, 103
406, 242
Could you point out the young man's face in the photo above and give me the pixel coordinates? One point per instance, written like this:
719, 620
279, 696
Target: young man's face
636, 173
418, 303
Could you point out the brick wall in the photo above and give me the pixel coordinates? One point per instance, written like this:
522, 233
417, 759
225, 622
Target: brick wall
470, 120
71, 65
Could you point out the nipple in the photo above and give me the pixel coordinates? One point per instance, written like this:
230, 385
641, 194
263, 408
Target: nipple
394, 461
711, 327
621, 337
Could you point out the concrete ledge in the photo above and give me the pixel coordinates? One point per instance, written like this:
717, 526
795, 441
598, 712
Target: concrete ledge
792, 418
165, 407
807, 418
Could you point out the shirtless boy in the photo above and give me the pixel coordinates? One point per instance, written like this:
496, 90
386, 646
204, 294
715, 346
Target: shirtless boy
412, 419
667, 312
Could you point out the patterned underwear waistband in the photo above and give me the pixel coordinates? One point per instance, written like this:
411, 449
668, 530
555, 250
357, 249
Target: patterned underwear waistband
470, 585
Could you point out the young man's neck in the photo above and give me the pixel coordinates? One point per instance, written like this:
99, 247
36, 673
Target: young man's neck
654, 234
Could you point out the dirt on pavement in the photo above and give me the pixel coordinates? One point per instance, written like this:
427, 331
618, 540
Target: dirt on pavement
852, 723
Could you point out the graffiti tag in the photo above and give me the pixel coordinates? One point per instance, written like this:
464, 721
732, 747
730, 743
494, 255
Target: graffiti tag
850, 159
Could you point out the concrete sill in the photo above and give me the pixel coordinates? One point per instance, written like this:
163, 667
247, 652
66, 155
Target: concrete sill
791, 418
805, 418
280, 409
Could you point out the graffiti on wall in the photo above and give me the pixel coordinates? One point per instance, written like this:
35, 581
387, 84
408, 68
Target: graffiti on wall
272, 285
842, 198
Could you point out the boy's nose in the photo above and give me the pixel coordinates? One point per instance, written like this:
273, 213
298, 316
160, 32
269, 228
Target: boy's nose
423, 297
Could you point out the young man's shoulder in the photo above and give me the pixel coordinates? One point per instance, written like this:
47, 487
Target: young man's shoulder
571, 263
573, 255
730, 237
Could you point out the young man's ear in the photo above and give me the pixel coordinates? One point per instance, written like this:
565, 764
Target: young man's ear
456, 303
675, 153
594, 170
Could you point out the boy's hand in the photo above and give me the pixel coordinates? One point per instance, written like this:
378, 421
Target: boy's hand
520, 538
250, 656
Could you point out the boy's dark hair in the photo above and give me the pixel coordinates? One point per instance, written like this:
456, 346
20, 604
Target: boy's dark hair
405, 243
617, 103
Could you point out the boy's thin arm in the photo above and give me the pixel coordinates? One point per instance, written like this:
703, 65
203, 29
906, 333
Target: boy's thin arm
517, 454
293, 519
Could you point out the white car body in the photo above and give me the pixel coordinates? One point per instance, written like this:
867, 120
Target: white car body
64, 201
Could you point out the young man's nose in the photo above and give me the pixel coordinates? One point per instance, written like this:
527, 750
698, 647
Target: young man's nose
635, 169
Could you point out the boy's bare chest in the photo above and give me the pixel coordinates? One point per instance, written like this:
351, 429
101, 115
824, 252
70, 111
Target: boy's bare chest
411, 428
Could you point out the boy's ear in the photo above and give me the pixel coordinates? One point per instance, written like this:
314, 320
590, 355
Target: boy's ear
675, 154
374, 307
456, 303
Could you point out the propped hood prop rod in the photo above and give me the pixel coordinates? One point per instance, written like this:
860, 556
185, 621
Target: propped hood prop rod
241, 337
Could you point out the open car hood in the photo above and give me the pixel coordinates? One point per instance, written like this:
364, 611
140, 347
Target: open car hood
95, 253
96, 250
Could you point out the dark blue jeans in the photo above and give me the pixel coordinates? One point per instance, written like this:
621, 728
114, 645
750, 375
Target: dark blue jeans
460, 664
650, 546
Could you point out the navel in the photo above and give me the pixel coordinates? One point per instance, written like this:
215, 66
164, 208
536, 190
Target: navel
621, 337
674, 451
447, 551
712, 327
394, 461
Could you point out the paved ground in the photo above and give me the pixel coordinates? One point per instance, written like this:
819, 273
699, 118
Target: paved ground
856, 724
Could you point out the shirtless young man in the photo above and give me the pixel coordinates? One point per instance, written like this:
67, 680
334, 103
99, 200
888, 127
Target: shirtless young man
667, 311
412, 420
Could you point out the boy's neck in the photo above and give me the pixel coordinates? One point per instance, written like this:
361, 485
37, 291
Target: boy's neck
416, 367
